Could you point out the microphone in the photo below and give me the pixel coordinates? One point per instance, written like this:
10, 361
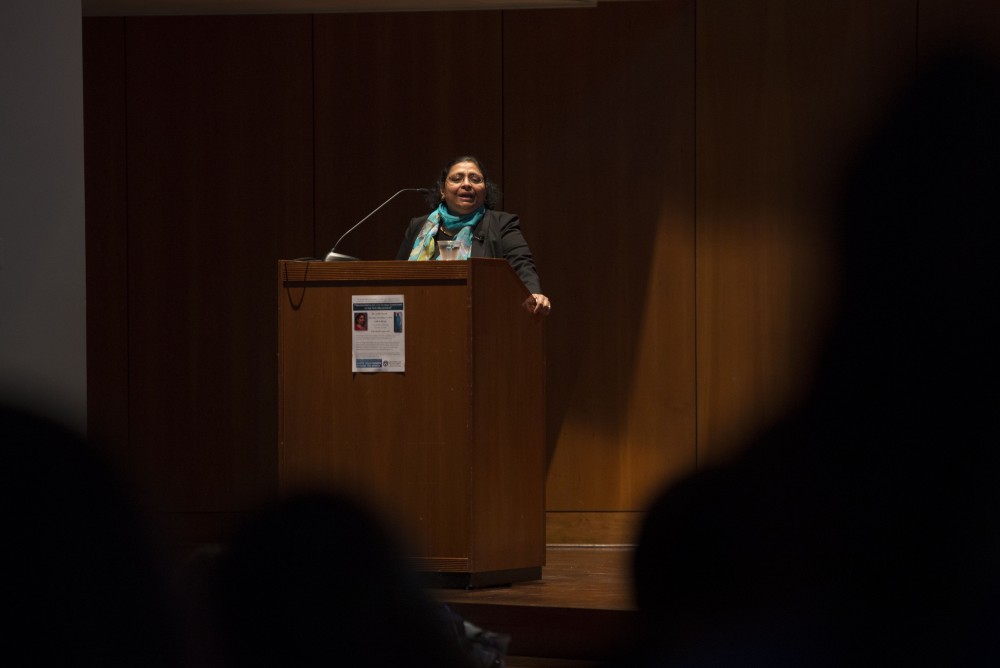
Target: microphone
334, 256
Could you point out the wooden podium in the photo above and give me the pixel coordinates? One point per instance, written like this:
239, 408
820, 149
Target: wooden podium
451, 451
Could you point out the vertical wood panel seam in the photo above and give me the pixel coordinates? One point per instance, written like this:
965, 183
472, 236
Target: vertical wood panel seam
312, 78
128, 236
503, 102
694, 236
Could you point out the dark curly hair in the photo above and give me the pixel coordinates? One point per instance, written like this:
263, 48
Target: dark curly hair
492, 191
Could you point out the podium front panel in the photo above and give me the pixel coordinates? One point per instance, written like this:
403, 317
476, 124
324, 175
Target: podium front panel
433, 448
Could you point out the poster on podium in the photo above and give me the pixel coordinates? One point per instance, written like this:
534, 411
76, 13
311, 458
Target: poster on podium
378, 339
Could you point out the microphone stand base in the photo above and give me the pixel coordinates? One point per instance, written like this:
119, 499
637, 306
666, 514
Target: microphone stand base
339, 257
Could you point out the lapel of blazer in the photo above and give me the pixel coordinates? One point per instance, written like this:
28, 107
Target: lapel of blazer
481, 248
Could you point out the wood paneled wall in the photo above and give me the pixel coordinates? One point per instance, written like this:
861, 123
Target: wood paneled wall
599, 160
219, 184
786, 93
674, 164
106, 234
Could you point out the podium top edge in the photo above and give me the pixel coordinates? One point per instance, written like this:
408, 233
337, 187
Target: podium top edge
299, 271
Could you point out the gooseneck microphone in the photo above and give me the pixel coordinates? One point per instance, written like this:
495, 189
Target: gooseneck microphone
334, 256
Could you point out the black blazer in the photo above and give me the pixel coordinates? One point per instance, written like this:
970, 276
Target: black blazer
497, 235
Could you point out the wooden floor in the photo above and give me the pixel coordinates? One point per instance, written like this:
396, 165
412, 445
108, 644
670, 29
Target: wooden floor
579, 613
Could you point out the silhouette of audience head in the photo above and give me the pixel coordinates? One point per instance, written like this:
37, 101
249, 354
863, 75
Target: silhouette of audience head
85, 587
316, 580
921, 241
864, 527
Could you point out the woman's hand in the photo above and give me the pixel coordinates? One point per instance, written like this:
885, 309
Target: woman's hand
538, 304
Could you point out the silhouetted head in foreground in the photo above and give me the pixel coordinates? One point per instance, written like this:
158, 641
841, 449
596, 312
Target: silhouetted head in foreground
85, 587
864, 528
316, 580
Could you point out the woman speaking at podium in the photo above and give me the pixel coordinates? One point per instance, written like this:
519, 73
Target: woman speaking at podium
465, 198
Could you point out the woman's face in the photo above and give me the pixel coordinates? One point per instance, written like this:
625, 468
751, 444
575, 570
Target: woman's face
464, 188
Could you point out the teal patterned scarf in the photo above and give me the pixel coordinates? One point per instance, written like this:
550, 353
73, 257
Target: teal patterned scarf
424, 247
